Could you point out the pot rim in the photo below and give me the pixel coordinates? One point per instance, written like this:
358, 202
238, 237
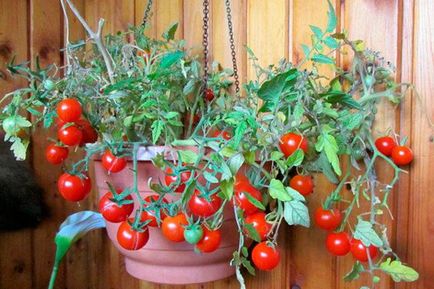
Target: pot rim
147, 153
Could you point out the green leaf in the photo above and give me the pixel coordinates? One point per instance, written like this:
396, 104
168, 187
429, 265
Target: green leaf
321, 58
276, 155
317, 31
271, 89
254, 201
171, 114
295, 195
326, 168
366, 233
352, 120
277, 191
227, 187
186, 156
327, 143
171, 58
306, 50
296, 213
239, 133
169, 34
253, 234
398, 271
19, 148
332, 20
250, 157
188, 192
210, 177
235, 163
157, 128
72, 229
331, 42
355, 272
295, 159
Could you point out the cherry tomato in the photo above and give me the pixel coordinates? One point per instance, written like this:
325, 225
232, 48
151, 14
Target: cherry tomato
338, 244
242, 186
224, 134
402, 155
360, 252
257, 220
150, 214
69, 110
210, 241
265, 257
89, 133
112, 163
73, 188
131, 239
173, 227
193, 234
290, 142
56, 154
209, 94
70, 136
302, 184
169, 179
385, 145
202, 207
328, 219
113, 212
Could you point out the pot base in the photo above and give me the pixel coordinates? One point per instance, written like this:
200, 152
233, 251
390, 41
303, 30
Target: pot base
178, 275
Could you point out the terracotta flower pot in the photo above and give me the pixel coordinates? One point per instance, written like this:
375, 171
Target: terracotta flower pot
162, 261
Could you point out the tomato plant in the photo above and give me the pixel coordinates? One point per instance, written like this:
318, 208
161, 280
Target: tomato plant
130, 238
170, 179
56, 154
115, 210
328, 219
290, 142
73, 188
402, 155
209, 94
69, 110
153, 212
259, 223
204, 206
173, 227
360, 252
112, 163
302, 184
242, 187
89, 133
265, 257
338, 244
210, 241
385, 145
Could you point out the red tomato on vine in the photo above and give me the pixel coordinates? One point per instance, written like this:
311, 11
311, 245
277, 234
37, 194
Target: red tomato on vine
56, 154
209, 94
73, 188
200, 206
259, 223
89, 133
241, 187
210, 241
265, 257
112, 163
130, 238
170, 179
70, 135
69, 110
290, 142
328, 219
385, 145
338, 244
173, 227
113, 212
302, 184
402, 155
150, 215
360, 252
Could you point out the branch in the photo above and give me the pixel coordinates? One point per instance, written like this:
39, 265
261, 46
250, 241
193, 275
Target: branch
96, 37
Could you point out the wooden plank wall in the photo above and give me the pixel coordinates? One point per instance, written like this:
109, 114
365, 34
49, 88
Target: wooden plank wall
402, 29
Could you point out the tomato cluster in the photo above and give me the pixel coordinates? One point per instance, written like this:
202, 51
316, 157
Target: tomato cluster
400, 154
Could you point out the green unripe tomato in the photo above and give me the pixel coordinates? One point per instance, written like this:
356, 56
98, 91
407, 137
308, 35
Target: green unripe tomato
193, 234
48, 84
358, 154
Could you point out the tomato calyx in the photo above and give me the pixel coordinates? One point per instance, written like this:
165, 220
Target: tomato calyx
119, 197
177, 177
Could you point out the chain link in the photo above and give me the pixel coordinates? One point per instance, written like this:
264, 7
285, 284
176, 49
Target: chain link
147, 11
205, 40
232, 45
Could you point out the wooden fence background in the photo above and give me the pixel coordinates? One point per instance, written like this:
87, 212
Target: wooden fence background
402, 29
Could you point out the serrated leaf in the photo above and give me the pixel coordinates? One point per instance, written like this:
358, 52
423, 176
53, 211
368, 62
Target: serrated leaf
227, 188
186, 156
295, 194
271, 89
277, 191
366, 234
19, 148
157, 128
331, 42
235, 163
326, 168
331, 18
254, 201
355, 272
321, 58
295, 159
296, 213
210, 177
169, 34
327, 143
398, 271
317, 31
171, 58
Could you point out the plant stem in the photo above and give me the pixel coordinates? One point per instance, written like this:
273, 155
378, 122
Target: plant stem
53, 275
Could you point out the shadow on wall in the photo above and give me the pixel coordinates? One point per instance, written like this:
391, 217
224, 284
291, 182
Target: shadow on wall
20, 196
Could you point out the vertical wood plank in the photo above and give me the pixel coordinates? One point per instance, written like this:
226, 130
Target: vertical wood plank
167, 13
309, 244
421, 181
193, 11
45, 42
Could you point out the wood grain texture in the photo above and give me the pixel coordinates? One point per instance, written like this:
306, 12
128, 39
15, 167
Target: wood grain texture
401, 29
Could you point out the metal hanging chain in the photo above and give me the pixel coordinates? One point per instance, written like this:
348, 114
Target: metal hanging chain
147, 11
205, 40
232, 45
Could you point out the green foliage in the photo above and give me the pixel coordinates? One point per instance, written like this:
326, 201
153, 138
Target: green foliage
398, 271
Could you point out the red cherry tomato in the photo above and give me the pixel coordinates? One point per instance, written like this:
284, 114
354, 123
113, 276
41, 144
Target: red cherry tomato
56, 154
385, 145
210, 241
169, 179
265, 257
224, 134
69, 110
112, 163
402, 155
302, 184
89, 133
70, 136
73, 188
202, 207
290, 142
131, 239
111, 211
328, 219
150, 214
360, 252
209, 94
262, 227
173, 227
242, 186
338, 244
